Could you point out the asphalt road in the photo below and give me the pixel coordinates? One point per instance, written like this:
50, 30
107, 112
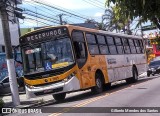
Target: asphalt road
127, 97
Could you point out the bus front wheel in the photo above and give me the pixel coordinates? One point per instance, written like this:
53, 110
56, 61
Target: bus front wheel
59, 97
99, 84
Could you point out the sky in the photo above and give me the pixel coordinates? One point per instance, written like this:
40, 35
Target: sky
90, 9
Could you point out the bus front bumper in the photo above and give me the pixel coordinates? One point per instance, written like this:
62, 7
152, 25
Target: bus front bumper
59, 87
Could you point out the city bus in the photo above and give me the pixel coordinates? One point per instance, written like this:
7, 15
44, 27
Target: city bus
64, 59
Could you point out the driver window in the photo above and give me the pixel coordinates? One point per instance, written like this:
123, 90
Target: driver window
80, 48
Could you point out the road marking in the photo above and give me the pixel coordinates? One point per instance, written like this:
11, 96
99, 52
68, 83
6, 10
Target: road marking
80, 105
94, 99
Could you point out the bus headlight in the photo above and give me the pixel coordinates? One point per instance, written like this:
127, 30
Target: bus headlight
69, 77
30, 86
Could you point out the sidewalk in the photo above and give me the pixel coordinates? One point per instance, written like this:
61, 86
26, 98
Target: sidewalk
26, 103
36, 102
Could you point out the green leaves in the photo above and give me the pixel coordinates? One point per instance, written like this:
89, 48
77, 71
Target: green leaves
147, 9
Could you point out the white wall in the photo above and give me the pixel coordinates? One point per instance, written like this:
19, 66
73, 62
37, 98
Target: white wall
13, 32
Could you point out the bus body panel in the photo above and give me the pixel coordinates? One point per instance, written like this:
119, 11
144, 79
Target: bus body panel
114, 68
120, 67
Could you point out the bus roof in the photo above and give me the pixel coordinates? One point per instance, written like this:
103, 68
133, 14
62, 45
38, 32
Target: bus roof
86, 29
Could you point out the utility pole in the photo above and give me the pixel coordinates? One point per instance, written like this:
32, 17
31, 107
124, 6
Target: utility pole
60, 19
9, 55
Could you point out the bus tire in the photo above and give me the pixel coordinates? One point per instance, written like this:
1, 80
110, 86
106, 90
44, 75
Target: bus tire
134, 78
59, 97
99, 84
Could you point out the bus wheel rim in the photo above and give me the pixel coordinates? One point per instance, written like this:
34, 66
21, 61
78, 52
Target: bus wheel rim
98, 82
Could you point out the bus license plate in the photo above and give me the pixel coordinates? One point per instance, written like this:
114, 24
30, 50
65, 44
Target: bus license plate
47, 91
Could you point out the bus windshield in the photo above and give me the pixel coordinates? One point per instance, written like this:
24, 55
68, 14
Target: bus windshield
49, 55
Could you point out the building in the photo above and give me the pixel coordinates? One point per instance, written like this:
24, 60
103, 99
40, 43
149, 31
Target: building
153, 46
14, 31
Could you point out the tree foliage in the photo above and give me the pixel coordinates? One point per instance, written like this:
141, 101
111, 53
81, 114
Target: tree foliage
144, 9
111, 21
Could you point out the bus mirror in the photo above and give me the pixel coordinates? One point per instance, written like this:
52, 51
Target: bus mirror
15, 49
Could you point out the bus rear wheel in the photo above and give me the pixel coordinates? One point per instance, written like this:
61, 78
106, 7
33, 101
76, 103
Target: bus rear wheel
59, 97
134, 78
99, 84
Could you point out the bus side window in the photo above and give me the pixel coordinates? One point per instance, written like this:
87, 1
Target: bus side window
137, 44
92, 44
119, 45
126, 46
132, 46
141, 45
80, 48
111, 45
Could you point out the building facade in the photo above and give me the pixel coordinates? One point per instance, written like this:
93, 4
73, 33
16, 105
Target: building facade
14, 30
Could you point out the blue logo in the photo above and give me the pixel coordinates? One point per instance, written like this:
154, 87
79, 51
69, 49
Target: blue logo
48, 66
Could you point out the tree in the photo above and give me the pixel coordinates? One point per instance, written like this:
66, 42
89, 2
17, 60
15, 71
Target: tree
111, 21
96, 24
143, 9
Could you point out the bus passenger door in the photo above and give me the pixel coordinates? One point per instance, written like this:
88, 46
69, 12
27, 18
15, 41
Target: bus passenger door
81, 58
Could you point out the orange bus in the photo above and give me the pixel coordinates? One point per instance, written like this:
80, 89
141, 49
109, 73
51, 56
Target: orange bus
64, 59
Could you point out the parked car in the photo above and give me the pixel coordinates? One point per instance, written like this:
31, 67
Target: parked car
5, 86
153, 68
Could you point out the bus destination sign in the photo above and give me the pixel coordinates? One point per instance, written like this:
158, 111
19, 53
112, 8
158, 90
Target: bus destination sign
43, 35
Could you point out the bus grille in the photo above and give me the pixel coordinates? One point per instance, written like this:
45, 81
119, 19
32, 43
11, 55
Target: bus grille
46, 84
48, 91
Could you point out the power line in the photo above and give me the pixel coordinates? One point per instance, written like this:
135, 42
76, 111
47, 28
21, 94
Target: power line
41, 14
50, 8
41, 18
97, 3
59, 9
39, 21
91, 3
65, 9
50, 12
25, 9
